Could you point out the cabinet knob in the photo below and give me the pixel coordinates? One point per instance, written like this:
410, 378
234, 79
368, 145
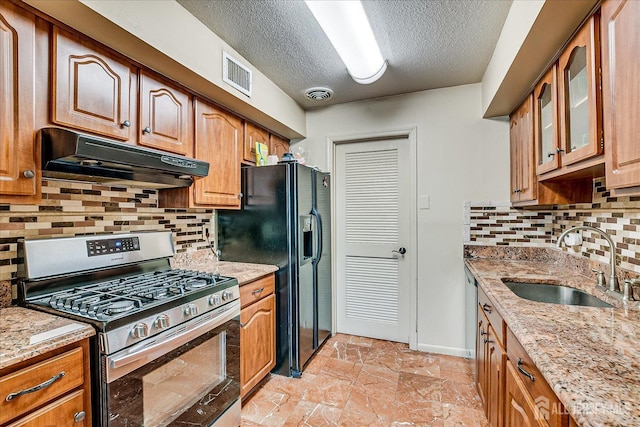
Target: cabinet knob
550, 154
29, 174
146, 130
559, 150
126, 123
79, 416
240, 195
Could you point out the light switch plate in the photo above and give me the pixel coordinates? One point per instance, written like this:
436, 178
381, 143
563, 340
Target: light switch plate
424, 202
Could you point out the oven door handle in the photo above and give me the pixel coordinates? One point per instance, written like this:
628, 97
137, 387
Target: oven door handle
176, 341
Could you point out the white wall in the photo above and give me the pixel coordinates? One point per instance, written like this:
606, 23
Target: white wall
461, 157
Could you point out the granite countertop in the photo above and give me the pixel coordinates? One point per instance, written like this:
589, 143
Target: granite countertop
203, 260
590, 356
28, 333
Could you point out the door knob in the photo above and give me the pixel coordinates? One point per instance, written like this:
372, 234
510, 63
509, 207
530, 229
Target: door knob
400, 251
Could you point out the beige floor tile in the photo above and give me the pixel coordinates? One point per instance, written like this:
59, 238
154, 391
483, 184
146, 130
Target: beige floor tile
359, 382
313, 414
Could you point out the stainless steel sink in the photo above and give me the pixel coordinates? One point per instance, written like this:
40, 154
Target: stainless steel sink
555, 294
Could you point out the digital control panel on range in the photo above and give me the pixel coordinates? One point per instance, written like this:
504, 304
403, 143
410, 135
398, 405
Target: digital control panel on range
111, 246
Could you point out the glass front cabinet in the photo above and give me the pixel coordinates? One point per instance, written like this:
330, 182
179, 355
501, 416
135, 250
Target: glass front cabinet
568, 116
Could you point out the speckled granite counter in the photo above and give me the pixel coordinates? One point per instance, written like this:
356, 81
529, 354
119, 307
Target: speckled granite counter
204, 261
590, 356
28, 333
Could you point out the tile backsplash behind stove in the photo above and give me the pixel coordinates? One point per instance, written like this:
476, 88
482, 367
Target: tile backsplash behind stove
74, 208
497, 224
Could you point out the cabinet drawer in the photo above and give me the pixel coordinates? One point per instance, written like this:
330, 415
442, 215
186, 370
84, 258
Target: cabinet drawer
492, 314
61, 413
256, 290
540, 390
57, 375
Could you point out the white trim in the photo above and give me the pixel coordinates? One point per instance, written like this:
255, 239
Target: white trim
411, 135
450, 351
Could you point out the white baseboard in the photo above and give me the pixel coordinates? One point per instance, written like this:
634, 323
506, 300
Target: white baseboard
450, 351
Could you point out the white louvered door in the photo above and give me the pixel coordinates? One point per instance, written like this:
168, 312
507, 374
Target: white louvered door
373, 220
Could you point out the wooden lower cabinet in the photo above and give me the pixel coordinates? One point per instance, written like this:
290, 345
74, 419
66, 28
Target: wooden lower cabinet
520, 408
496, 359
53, 389
257, 332
513, 391
65, 412
490, 361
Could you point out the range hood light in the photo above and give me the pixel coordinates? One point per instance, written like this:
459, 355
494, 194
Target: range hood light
347, 27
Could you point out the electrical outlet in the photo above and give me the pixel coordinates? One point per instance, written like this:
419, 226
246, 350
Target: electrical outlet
206, 232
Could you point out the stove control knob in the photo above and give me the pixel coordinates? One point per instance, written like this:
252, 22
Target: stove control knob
227, 295
140, 330
214, 300
191, 310
161, 322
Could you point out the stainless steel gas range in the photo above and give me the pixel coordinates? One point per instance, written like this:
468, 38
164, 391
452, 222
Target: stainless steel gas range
167, 346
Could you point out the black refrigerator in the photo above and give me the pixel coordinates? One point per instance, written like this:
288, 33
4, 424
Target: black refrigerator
285, 220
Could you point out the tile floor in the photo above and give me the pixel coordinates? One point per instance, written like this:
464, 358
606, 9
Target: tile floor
357, 382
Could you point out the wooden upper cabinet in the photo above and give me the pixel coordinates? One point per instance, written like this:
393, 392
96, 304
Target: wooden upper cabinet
523, 175
621, 91
253, 134
218, 136
165, 117
19, 159
278, 146
546, 123
579, 95
92, 90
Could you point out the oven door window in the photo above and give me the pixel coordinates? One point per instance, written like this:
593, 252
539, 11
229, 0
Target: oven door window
191, 385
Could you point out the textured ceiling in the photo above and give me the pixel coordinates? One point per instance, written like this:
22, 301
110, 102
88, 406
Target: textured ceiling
428, 43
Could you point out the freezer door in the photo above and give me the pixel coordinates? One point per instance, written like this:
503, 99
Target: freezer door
322, 262
306, 232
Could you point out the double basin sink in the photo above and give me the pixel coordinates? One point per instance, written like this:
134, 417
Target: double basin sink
555, 294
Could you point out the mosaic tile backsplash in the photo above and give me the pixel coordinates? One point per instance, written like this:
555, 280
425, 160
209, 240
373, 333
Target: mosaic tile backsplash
73, 208
497, 224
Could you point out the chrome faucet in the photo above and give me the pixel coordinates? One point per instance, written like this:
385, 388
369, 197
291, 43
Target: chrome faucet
613, 280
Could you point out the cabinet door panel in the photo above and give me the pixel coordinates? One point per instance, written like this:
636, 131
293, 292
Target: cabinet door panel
495, 379
580, 115
164, 117
257, 341
621, 91
278, 146
61, 413
19, 172
520, 409
91, 89
546, 123
217, 137
252, 135
523, 173
481, 357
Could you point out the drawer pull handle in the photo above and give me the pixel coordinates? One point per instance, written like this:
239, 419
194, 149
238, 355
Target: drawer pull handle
523, 372
45, 384
257, 291
486, 307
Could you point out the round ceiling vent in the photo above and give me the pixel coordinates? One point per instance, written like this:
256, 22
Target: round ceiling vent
318, 93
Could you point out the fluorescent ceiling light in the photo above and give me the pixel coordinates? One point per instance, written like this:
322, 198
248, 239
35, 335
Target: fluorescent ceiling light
348, 29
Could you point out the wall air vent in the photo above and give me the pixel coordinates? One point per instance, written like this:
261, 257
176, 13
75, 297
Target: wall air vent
236, 74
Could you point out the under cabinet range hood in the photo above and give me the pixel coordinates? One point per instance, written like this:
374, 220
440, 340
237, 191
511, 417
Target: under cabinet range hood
73, 156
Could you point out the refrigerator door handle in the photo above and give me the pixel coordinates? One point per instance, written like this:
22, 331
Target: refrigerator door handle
318, 231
